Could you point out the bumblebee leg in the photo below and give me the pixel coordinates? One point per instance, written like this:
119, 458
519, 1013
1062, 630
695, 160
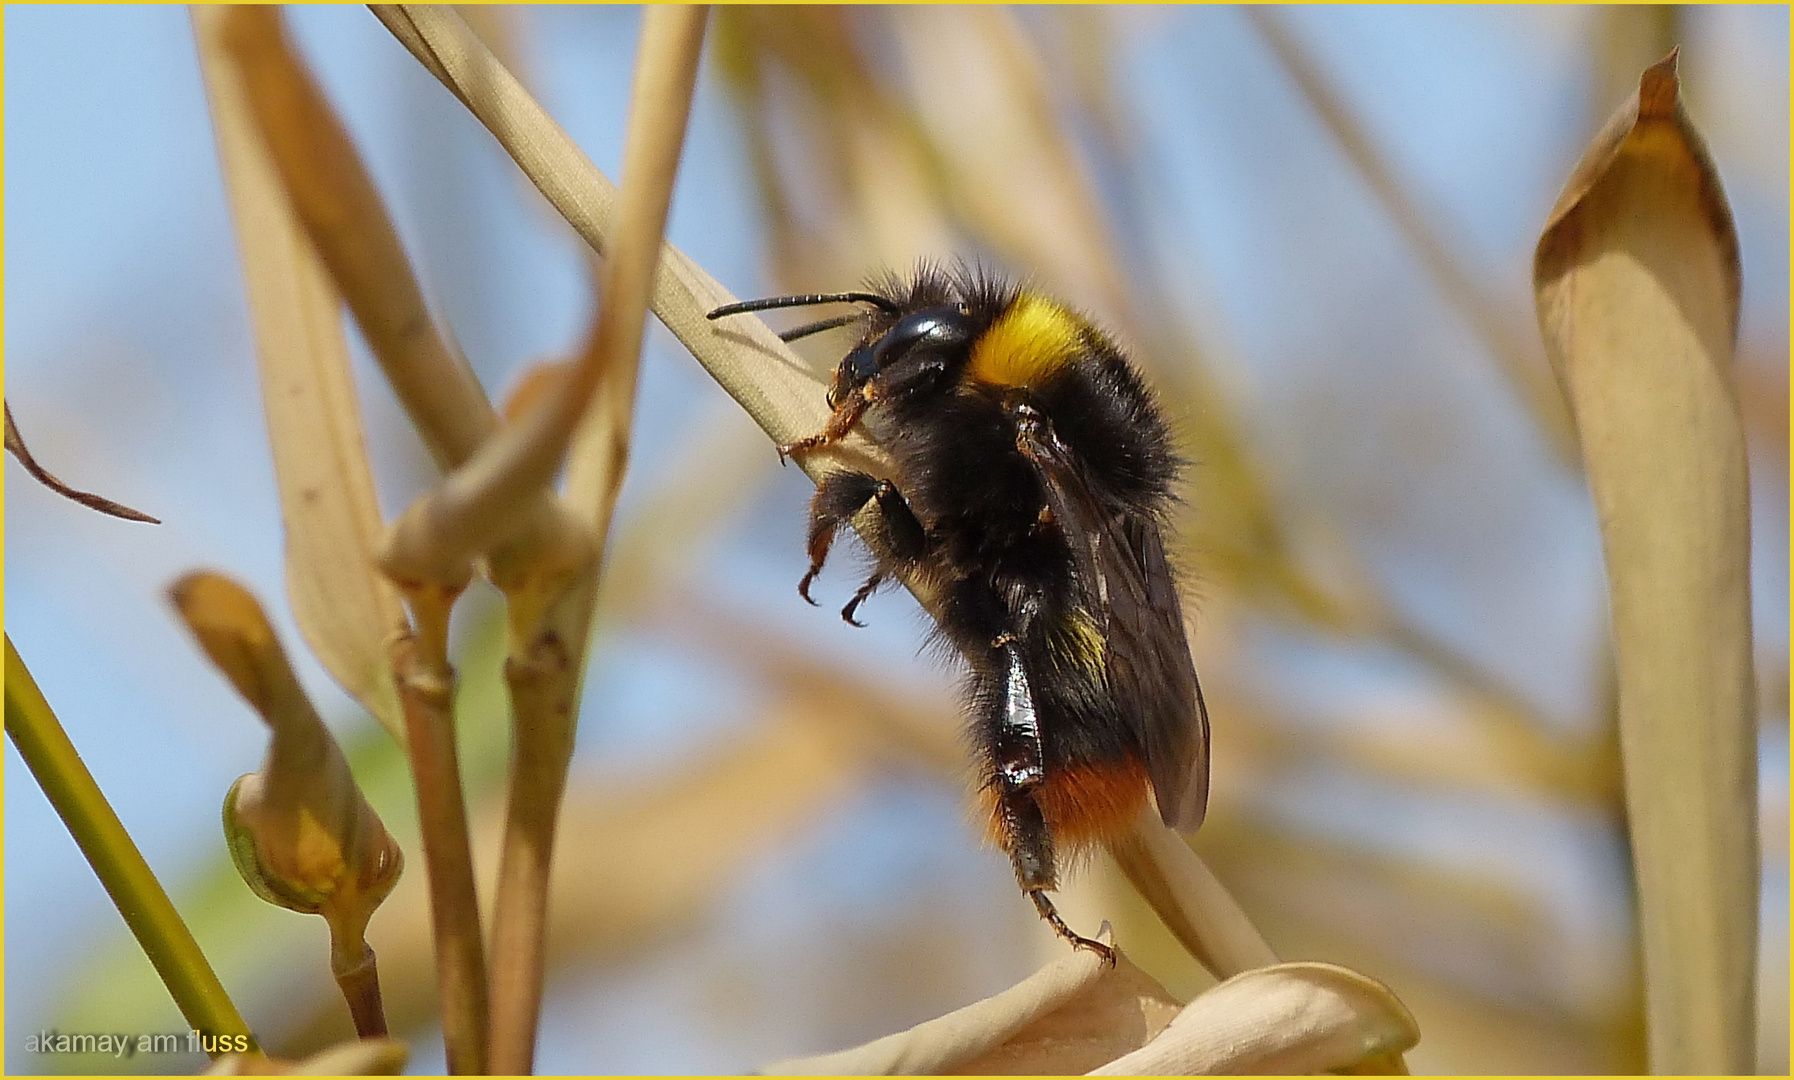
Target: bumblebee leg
918, 380
839, 497
839, 424
1018, 758
1078, 941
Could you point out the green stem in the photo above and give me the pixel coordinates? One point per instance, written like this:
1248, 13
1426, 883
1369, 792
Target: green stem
115, 859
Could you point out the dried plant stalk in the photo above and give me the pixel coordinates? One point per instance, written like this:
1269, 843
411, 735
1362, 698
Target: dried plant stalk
345, 608
426, 690
1637, 283
544, 675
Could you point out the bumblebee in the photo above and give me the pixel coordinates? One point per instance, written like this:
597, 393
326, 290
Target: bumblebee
1033, 472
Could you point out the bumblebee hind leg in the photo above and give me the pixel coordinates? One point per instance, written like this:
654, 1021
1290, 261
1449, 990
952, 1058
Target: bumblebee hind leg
896, 537
1018, 760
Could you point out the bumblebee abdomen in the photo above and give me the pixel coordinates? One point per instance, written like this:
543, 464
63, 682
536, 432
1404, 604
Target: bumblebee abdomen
1082, 804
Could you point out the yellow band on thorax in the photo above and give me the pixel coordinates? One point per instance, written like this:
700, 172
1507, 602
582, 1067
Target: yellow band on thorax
1027, 345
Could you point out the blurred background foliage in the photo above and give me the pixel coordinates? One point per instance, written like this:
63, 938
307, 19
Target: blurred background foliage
1313, 226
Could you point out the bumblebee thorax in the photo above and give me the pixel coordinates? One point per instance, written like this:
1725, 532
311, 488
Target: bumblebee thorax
1029, 343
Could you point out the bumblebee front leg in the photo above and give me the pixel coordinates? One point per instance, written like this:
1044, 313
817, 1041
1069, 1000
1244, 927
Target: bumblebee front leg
897, 536
851, 403
845, 416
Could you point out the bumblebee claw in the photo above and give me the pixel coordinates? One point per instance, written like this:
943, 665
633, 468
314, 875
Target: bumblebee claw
859, 597
1105, 953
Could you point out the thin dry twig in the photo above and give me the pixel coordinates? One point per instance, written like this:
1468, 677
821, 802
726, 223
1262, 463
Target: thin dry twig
15, 445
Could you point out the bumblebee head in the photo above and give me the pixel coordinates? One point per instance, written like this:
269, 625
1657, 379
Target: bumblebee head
939, 336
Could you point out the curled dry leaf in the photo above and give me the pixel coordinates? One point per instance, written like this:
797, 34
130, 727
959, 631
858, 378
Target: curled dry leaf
1291, 1018
1075, 1016
1120, 1012
362, 1057
942, 1044
299, 830
15, 445
345, 608
1637, 283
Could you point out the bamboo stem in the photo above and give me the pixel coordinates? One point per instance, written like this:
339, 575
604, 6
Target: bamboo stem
359, 980
426, 690
543, 687
121, 868
544, 673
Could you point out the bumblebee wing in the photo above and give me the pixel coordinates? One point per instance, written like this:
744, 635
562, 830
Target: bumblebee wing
1150, 670
1123, 572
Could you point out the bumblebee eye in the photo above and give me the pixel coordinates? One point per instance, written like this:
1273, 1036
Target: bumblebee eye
936, 329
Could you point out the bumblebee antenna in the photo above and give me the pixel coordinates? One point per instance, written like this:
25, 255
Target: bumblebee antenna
882, 303
819, 326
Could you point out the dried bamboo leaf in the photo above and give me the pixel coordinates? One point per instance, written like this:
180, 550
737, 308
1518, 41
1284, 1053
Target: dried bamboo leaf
345, 608
781, 392
1292, 1018
335, 199
1637, 283
1193, 903
15, 445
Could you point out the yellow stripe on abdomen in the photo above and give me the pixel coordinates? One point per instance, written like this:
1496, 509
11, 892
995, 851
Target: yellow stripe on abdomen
1030, 342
